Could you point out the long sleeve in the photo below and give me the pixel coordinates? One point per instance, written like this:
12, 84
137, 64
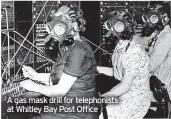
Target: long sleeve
160, 52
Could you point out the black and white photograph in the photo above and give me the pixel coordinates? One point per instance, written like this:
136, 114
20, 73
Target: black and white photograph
85, 59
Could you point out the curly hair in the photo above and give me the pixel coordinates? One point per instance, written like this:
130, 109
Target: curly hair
75, 14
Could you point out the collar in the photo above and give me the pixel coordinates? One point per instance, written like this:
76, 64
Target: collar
121, 45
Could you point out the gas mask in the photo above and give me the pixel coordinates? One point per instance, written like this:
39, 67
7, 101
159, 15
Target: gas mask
60, 32
154, 19
120, 24
64, 24
59, 28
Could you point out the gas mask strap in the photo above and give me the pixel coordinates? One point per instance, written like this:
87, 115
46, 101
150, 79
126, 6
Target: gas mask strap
154, 39
158, 32
60, 51
128, 43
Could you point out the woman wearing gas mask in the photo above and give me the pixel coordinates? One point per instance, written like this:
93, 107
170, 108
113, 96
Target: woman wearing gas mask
130, 66
73, 73
157, 40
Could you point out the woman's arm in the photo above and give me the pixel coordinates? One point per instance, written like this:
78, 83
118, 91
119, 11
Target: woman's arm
32, 74
160, 53
105, 70
60, 89
122, 87
43, 77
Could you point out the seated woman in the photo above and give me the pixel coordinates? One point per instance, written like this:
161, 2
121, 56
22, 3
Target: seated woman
130, 66
73, 73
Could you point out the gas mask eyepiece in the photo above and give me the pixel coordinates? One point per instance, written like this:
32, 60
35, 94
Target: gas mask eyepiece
145, 19
151, 18
59, 29
154, 18
108, 25
115, 27
119, 27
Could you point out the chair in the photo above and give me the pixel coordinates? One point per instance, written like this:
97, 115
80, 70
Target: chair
103, 86
161, 95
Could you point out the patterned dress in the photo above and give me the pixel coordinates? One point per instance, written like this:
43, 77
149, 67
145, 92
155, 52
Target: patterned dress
135, 103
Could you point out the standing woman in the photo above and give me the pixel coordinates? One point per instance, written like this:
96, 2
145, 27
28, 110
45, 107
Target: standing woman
73, 73
130, 66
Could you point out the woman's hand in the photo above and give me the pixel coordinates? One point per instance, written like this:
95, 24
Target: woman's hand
30, 73
99, 69
105, 70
